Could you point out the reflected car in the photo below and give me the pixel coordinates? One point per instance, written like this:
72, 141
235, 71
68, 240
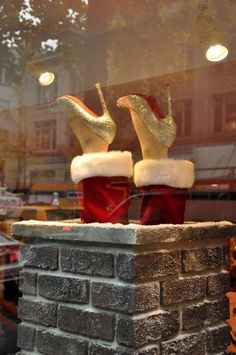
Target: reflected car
40, 213
48, 213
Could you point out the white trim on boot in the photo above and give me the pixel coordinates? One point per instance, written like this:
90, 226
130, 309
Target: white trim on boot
114, 163
171, 172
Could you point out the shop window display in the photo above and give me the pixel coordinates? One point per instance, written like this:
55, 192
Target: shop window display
130, 47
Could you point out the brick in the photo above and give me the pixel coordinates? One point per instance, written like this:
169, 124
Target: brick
155, 350
44, 257
204, 314
87, 262
191, 344
146, 297
182, 290
218, 284
62, 288
28, 282
226, 311
25, 336
91, 324
218, 338
102, 350
226, 255
126, 299
149, 266
50, 343
216, 311
194, 260
138, 332
194, 316
38, 312
24, 248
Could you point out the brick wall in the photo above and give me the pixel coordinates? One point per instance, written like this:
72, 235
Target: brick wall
112, 290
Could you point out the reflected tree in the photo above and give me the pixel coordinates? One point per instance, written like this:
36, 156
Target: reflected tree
30, 32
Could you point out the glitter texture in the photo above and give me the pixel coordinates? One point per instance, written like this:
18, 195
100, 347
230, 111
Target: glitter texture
163, 129
103, 126
155, 134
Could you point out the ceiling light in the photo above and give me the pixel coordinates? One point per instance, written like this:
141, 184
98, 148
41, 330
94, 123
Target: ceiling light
46, 78
216, 53
210, 34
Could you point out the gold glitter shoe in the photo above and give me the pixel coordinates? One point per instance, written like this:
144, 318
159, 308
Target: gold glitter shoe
155, 132
94, 133
162, 181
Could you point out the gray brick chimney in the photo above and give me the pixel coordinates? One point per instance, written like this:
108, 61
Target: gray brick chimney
105, 289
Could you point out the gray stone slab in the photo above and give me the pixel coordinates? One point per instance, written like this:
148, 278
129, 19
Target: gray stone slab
131, 234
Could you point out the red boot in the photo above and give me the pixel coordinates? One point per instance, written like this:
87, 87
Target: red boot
163, 184
106, 187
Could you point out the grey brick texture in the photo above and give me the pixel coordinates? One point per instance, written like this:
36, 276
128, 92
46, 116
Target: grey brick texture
204, 314
218, 284
102, 350
183, 290
91, 324
38, 311
42, 257
149, 266
87, 262
49, 342
28, 282
191, 344
147, 330
26, 337
218, 338
117, 298
194, 260
125, 299
62, 288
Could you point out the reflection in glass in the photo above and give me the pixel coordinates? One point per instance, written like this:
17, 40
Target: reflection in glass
130, 46
46, 78
217, 53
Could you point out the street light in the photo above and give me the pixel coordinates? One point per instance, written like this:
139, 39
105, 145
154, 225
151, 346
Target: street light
209, 34
46, 78
216, 53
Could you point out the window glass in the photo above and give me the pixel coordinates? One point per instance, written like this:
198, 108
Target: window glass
45, 134
129, 47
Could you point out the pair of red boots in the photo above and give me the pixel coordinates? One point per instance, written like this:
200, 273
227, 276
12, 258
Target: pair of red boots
107, 190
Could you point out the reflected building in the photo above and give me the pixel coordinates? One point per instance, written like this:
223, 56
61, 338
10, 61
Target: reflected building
128, 50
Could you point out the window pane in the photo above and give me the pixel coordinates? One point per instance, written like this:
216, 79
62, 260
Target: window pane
129, 47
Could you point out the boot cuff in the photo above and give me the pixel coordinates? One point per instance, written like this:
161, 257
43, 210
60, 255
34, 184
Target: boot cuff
115, 163
171, 172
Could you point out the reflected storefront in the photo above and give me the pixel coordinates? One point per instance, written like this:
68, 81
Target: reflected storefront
54, 48
128, 47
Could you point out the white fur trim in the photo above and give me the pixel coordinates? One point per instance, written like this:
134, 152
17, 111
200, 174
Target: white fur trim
115, 163
171, 172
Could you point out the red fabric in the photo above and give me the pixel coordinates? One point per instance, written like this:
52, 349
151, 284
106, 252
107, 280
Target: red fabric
105, 199
162, 204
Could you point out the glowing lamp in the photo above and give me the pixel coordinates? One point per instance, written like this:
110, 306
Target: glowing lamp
46, 78
216, 53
